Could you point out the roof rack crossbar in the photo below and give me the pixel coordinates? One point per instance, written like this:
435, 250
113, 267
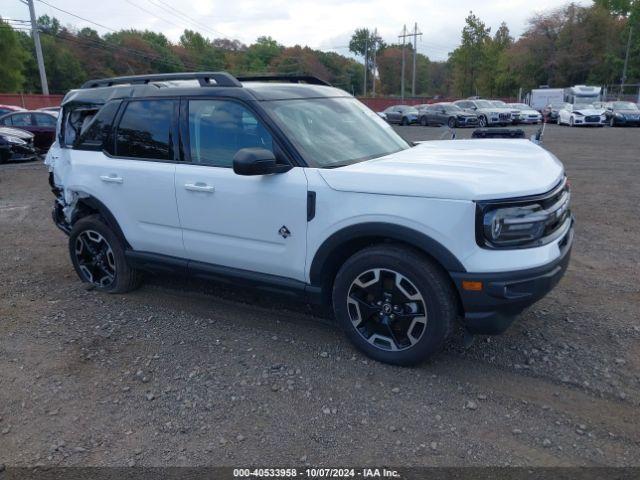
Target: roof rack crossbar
220, 79
310, 79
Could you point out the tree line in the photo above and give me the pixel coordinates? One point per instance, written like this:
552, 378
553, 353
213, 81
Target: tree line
570, 45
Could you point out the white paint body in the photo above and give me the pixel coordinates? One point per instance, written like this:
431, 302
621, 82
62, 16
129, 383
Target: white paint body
234, 221
575, 115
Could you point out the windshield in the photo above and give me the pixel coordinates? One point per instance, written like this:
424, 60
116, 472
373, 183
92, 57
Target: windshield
484, 104
521, 106
498, 103
332, 132
409, 110
452, 108
625, 106
585, 106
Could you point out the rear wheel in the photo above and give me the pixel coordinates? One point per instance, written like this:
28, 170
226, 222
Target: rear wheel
394, 304
404, 121
98, 257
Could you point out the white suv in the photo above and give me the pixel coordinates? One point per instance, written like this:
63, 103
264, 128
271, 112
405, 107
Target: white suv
295, 186
488, 113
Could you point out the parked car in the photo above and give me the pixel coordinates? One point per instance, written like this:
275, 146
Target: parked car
41, 124
447, 114
4, 109
527, 114
306, 191
622, 114
402, 114
550, 112
515, 112
488, 114
581, 115
16, 145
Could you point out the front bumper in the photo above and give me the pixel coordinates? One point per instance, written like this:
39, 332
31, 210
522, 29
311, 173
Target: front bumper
18, 153
504, 295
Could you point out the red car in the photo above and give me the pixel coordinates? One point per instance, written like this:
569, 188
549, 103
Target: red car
4, 109
41, 124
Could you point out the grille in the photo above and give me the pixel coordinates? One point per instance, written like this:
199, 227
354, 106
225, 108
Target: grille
504, 116
592, 118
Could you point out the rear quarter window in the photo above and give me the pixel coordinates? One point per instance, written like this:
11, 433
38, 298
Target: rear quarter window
99, 128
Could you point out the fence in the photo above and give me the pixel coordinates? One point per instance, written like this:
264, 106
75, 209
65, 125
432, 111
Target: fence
30, 101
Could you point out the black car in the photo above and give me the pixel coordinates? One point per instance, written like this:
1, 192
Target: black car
401, 114
16, 145
447, 114
620, 114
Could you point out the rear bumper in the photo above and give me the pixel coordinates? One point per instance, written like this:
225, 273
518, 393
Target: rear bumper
504, 295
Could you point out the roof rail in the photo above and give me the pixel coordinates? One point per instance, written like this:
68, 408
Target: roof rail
310, 79
221, 79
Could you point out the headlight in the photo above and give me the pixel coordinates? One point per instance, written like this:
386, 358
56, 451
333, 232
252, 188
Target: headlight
13, 140
533, 222
514, 225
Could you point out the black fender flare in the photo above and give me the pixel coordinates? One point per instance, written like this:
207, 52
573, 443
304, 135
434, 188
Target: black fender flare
96, 205
329, 252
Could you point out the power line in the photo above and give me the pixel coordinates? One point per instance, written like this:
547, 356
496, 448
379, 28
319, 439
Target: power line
170, 9
152, 14
78, 16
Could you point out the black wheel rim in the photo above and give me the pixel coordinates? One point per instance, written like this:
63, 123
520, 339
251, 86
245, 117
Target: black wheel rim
483, 122
452, 123
95, 258
386, 309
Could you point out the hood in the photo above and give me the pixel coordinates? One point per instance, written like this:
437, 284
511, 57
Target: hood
589, 111
454, 169
14, 132
627, 112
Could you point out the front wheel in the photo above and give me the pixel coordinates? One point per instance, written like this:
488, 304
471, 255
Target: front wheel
423, 121
404, 121
483, 121
612, 122
98, 257
452, 123
394, 304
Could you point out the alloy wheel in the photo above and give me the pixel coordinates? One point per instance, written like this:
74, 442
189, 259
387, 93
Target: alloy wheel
387, 309
95, 258
483, 122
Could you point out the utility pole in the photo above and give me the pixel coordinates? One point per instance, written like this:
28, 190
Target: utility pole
403, 36
39, 57
366, 59
375, 50
415, 36
626, 61
415, 53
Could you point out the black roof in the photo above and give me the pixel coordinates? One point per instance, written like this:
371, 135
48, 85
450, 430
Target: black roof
195, 84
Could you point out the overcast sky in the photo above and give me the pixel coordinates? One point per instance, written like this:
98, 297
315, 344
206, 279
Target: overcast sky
326, 25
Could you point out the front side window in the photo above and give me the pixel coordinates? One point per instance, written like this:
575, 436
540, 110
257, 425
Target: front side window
219, 128
331, 132
145, 130
21, 120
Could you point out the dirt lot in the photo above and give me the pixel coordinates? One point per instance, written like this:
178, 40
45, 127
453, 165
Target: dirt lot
188, 374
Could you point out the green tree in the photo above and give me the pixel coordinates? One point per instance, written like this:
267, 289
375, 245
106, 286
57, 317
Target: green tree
467, 60
13, 61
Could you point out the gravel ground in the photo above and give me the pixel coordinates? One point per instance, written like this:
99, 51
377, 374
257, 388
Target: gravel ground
180, 373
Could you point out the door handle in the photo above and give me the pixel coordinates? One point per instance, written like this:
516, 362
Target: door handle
199, 187
111, 178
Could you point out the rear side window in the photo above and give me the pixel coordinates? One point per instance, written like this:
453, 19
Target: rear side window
219, 128
96, 132
145, 129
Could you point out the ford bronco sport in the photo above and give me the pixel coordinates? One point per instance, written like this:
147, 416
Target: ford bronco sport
291, 185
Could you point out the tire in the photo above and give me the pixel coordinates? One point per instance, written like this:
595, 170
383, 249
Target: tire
423, 121
559, 122
571, 122
4, 156
98, 257
404, 121
482, 121
452, 123
612, 122
411, 313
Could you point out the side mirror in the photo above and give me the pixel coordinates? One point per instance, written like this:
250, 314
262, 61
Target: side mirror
257, 161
